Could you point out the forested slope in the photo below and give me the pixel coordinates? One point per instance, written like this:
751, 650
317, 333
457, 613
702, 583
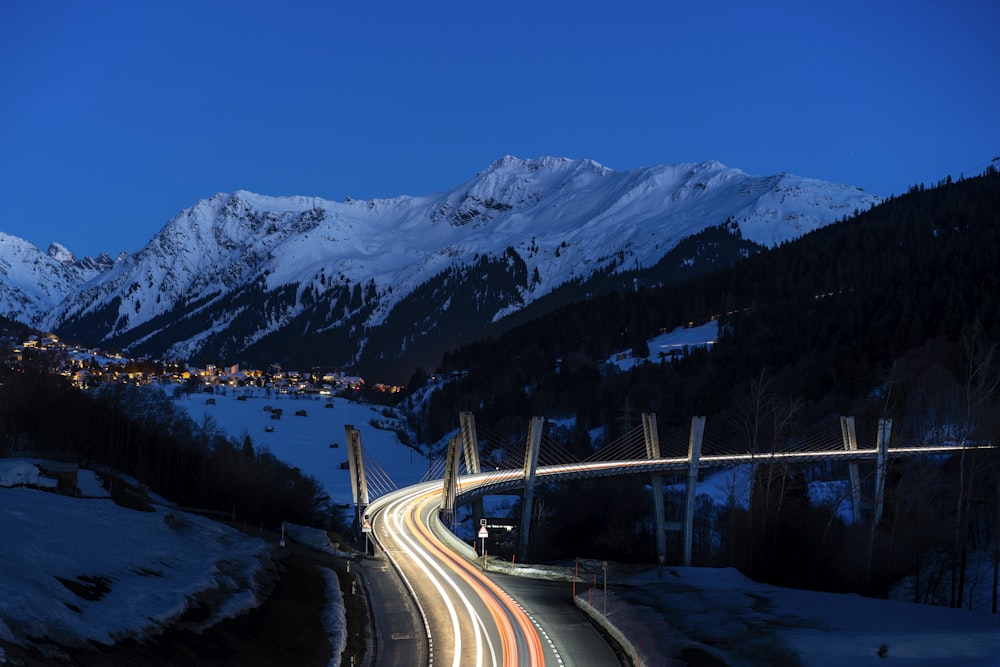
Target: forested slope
828, 317
890, 314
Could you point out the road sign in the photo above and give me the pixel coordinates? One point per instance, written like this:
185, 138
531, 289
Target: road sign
366, 526
483, 533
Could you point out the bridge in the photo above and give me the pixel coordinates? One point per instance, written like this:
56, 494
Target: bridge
475, 465
467, 616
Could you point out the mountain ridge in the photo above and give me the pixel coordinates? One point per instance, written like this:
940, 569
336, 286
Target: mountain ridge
237, 269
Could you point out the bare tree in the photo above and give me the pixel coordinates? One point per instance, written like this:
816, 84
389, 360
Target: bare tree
782, 416
762, 420
982, 376
749, 418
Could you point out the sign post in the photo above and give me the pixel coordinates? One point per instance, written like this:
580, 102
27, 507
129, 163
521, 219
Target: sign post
366, 529
483, 534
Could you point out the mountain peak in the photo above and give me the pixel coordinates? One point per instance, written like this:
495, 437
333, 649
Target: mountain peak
548, 162
232, 274
61, 254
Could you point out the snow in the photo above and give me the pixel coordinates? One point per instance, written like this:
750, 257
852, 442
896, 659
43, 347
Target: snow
661, 611
31, 282
334, 616
677, 341
305, 442
60, 253
127, 572
142, 569
565, 218
15, 472
314, 538
718, 611
89, 485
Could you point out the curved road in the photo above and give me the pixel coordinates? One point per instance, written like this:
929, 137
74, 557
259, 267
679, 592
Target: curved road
470, 620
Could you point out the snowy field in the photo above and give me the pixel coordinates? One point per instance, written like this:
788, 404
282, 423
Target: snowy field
305, 442
84, 569
677, 341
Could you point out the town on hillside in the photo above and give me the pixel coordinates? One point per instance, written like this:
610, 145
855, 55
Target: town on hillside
88, 367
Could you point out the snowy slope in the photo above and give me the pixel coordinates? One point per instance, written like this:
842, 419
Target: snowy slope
236, 268
32, 283
82, 570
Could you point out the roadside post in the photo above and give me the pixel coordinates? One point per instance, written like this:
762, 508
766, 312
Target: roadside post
604, 566
483, 534
366, 529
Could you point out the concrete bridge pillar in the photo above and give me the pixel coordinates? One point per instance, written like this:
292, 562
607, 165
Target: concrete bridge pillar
530, 464
881, 459
356, 464
470, 445
851, 445
694, 454
449, 489
652, 439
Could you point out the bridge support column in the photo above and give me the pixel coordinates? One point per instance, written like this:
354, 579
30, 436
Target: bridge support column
530, 464
881, 459
851, 445
652, 439
694, 454
470, 445
356, 464
450, 487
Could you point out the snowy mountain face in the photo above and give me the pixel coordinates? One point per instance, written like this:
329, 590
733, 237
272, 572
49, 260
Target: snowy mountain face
32, 283
301, 280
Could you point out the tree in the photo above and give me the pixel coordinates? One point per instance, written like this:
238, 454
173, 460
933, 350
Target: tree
418, 379
982, 375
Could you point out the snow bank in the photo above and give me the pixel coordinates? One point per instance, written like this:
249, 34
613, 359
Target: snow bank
666, 613
314, 538
87, 570
22, 472
334, 616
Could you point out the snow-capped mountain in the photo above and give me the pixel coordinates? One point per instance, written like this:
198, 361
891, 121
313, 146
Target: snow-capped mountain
303, 280
32, 283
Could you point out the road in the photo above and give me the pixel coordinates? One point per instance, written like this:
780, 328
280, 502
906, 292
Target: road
470, 620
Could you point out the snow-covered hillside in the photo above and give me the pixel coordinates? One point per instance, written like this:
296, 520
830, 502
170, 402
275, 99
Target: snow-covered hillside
84, 569
32, 283
228, 272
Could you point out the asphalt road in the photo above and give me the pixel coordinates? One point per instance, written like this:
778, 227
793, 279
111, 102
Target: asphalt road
437, 602
575, 638
469, 620
400, 638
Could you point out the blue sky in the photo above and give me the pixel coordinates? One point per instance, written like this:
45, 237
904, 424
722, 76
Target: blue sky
114, 116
